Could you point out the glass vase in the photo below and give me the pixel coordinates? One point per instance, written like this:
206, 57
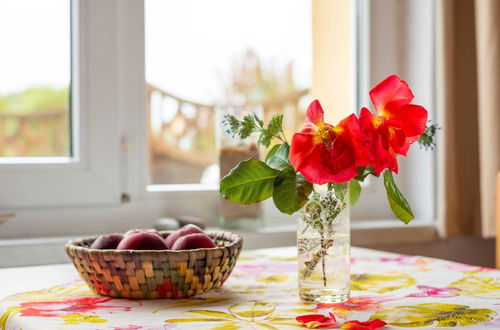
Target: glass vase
323, 243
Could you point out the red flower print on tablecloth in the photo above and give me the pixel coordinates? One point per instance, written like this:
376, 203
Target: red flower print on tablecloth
73, 305
429, 291
406, 260
454, 266
314, 321
140, 327
361, 303
368, 325
261, 268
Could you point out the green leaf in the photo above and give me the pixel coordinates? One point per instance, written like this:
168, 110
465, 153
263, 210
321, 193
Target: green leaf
273, 130
339, 189
258, 120
272, 151
249, 182
247, 126
354, 191
290, 191
279, 160
397, 202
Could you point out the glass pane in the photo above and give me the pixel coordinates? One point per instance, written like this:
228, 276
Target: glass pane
206, 56
34, 78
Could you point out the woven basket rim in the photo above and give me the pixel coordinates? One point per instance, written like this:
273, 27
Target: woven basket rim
236, 240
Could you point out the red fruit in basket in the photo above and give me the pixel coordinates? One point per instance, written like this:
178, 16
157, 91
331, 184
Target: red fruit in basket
193, 241
186, 230
107, 241
142, 241
149, 230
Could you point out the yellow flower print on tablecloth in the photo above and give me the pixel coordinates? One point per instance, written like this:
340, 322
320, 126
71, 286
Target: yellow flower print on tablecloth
248, 256
249, 314
434, 314
77, 318
171, 304
479, 287
381, 283
284, 259
243, 289
9, 312
276, 278
56, 292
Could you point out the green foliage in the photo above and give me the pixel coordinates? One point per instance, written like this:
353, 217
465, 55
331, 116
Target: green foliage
428, 139
253, 181
232, 123
321, 211
364, 172
279, 159
271, 152
35, 100
249, 182
291, 191
399, 205
339, 189
254, 80
354, 191
250, 124
39, 135
274, 130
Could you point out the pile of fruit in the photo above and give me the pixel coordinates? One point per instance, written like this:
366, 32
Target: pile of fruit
187, 238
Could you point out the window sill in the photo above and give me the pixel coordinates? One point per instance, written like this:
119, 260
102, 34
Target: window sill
49, 250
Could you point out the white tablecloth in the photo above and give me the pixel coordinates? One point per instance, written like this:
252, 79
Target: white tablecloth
261, 294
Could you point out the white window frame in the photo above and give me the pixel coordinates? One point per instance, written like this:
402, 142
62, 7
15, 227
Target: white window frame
387, 23
90, 175
113, 156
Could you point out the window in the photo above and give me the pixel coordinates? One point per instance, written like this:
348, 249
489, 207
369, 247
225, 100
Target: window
201, 60
82, 134
407, 51
129, 162
34, 89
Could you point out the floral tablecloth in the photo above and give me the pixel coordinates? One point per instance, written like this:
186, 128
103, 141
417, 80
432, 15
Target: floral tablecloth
404, 291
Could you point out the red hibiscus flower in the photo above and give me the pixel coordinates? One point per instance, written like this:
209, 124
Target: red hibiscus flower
368, 325
313, 321
324, 153
68, 306
396, 125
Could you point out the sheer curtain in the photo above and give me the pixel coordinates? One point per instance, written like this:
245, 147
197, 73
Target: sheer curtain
468, 47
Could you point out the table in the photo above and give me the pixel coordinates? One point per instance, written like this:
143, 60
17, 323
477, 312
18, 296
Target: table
261, 293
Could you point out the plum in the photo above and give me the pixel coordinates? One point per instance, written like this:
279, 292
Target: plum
142, 241
149, 230
193, 241
107, 241
187, 229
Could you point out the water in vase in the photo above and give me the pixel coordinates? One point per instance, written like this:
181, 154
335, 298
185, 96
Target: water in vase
323, 242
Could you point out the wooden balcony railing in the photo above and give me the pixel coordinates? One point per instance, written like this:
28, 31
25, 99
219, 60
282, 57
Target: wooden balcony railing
39, 134
183, 132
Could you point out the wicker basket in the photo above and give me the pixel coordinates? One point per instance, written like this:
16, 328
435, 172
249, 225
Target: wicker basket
155, 274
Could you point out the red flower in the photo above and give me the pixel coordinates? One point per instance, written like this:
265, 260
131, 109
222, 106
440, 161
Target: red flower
395, 127
68, 306
313, 321
368, 325
324, 153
